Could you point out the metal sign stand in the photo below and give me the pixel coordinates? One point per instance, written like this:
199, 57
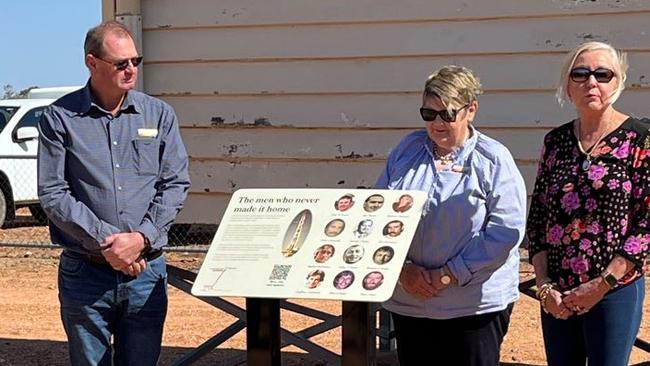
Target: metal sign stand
263, 332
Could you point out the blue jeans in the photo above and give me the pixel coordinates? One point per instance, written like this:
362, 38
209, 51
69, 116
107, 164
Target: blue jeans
604, 336
98, 302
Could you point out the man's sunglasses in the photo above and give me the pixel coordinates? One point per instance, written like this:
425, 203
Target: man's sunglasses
123, 64
430, 115
582, 74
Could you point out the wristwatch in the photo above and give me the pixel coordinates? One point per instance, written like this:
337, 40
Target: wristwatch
445, 279
609, 279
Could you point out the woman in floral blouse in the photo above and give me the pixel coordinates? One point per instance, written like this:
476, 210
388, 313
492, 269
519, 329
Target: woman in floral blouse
588, 226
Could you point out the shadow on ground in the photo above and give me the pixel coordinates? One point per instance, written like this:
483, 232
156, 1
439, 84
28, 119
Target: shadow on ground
24, 352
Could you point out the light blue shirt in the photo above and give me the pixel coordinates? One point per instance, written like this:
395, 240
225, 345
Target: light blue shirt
473, 222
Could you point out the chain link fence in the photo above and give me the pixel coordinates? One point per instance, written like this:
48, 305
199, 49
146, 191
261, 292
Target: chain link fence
24, 224
29, 229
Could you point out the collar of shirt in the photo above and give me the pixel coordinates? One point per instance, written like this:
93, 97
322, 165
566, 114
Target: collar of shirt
87, 102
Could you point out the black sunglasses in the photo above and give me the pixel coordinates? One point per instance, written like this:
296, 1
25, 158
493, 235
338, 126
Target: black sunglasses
123, 64
582, 74
430, 115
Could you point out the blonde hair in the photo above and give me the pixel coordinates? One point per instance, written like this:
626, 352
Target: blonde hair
619, 63
456, 86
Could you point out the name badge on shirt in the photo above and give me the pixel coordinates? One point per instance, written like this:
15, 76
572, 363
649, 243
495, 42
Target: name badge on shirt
147, 133
457, 168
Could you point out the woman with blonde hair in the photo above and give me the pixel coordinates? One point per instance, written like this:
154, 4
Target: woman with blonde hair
588, 225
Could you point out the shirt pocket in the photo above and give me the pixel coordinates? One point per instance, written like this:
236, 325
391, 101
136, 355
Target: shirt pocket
157, 268
146, 153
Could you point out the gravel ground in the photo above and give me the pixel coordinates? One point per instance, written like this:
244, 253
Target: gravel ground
31, 332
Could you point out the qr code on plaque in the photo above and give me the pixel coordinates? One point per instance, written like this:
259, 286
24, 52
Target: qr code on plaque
280, 272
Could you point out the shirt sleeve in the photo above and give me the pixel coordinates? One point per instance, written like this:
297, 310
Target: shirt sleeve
536, 225
637, 240
503, 229
62, 208
384, 177
172, 185
401, 159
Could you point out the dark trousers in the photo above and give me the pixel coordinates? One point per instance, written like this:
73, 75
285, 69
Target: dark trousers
466, 341
604, 336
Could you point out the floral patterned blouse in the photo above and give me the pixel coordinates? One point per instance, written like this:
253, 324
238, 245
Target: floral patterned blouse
584, 213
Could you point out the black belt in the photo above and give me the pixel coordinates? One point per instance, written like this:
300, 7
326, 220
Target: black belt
101, 260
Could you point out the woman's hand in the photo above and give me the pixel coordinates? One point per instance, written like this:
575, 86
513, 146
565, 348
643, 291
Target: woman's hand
436, 281
582, 298
417, 281
556, 307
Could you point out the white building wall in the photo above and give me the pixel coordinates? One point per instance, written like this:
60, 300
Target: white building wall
313, 93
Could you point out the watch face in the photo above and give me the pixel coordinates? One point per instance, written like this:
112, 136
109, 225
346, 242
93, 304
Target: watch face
445, 280
610, 280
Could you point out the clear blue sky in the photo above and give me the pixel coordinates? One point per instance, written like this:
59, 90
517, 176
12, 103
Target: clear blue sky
42, 41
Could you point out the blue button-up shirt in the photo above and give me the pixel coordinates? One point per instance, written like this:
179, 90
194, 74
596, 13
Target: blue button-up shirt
473, 222
97, 175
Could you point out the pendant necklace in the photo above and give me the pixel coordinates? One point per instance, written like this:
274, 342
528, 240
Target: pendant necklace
586, 164
443, 159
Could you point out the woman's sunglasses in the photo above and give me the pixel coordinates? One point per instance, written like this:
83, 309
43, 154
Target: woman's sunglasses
582, 74
121, 65
430, 115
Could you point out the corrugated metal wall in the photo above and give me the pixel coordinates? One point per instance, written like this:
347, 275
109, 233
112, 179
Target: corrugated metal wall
314, 93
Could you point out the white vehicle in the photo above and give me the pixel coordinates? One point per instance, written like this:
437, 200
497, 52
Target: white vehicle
18, 147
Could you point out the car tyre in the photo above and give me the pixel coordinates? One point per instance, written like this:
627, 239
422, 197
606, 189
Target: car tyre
3, 208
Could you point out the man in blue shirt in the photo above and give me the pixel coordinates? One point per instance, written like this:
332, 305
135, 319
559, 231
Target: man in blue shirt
112, 176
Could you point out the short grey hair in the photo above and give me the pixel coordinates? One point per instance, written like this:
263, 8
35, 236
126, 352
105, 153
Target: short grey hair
456, 86
94, 43
619, 63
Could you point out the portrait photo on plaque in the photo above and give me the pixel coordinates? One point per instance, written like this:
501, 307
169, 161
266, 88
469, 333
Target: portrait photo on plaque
373, 280
373, 203
353, 254
364, 228
334, 228
314, 278
393, 229
383, 255
323, 253
403, 203
343, 280
344, 202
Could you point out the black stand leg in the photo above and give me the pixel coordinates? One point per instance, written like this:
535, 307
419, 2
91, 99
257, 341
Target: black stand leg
263, 332
358, 334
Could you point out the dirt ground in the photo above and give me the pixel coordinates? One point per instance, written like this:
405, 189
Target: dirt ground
31, 332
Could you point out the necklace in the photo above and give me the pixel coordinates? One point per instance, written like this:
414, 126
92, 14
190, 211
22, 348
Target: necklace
443, 159
586, 164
